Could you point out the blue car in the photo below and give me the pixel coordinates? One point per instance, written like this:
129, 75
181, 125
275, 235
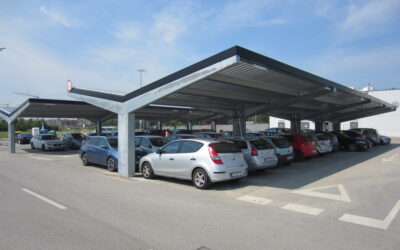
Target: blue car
103, 151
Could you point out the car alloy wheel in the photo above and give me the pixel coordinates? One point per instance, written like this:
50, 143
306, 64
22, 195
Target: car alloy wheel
111, 164
147, 171
84, 159
200, 179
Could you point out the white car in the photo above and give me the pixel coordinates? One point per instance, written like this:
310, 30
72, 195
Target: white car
47, 142
201, 160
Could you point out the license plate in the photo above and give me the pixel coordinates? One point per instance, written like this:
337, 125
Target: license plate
236, 174
290, 157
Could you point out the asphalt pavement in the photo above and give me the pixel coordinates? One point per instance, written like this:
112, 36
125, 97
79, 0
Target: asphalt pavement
338, 201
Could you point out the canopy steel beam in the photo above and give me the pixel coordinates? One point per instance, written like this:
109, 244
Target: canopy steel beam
351, 115
286, 102
333, 110
377, 111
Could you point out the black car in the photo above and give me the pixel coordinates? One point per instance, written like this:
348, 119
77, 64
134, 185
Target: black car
23, 138
73, 140
351, 143
370, 134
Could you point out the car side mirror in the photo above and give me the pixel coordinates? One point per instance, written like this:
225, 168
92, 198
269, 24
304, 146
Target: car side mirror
104, 147
159, 151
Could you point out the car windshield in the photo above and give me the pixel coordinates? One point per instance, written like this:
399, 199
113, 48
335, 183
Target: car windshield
48, 137
77, 136
225, 147
113, 142
281, 142
158, 141
307, 137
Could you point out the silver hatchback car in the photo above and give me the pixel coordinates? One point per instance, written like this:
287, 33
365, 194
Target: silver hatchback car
201, 160
258, 153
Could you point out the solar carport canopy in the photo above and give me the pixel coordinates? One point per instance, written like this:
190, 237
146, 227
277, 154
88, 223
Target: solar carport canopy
241, 80
52, 108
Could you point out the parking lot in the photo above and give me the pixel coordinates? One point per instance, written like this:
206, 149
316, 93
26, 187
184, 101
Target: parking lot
344, 200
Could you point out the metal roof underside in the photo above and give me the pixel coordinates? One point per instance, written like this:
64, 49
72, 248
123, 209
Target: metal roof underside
258, 84
49, 108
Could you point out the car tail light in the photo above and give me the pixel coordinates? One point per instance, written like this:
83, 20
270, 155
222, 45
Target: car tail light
253, 150
214, 156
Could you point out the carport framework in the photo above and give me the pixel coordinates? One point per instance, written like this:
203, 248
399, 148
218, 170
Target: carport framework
236, 83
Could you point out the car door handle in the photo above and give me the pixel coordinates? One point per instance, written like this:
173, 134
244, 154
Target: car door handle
192, 159
171, 159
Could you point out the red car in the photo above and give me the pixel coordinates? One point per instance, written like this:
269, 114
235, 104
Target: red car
303, 145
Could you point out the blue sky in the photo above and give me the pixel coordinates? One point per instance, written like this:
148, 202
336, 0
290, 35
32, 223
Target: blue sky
101, 44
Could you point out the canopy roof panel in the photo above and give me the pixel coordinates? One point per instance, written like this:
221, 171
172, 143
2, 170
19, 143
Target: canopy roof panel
256, 84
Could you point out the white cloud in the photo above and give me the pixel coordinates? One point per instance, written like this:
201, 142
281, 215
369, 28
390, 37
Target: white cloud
369, 18
59, 17
129, 32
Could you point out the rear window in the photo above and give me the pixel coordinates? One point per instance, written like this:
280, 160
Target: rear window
281, 142
352, 133
113, 142
48, 137
241, 144
225, 147
290, 138
322, 137
307, 137
77, 136
158, 142
261, 144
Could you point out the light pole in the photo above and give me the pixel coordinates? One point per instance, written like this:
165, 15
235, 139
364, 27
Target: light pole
141, 72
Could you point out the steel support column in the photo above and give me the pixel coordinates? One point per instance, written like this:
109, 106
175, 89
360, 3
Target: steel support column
99, 126
335, 126
239, 123
214, 126
126, 144
319, 126
11, 136
189, 125
295, 123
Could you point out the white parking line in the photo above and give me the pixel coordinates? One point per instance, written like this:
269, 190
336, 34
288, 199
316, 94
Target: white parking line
303, 209
370, 222
253, 199
342, 196
40, 158
57, 205
67, 156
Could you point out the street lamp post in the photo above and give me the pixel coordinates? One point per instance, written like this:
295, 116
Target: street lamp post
141, 72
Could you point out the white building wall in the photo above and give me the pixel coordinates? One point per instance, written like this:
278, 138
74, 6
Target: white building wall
387, 124
275, 121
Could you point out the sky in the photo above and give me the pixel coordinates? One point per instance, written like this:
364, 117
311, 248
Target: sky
101, 44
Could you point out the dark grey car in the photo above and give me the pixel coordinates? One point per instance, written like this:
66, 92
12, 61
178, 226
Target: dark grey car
73, 140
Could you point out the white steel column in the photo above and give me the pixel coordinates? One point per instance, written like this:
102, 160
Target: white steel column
126, 144
11, 135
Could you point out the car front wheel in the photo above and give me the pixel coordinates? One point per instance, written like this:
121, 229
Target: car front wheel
111, 164
200, 179
147, 171
85, 160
